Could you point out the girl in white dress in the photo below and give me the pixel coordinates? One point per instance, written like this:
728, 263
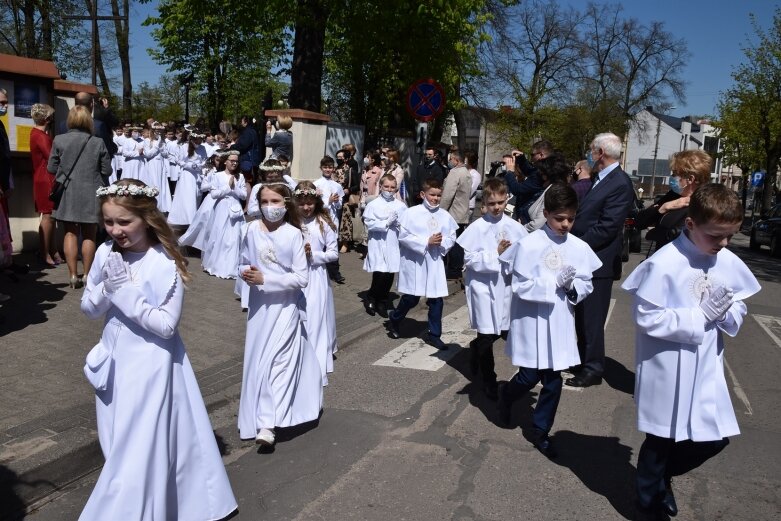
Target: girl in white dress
281, 385
162, 460
185, 202
221, 252
320, 246
197, 234
154, 173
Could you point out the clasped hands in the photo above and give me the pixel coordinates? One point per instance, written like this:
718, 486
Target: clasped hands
116, 272
715, 303
252, 276
565, 277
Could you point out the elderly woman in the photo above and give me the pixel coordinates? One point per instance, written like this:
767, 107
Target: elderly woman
40, 149
82, 164
690, 170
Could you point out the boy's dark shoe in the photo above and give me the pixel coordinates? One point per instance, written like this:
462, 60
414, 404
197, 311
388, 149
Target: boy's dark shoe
371, 308
653, 512
435, 341
393, 325
382, 308
544, 444
584, 379
667, 501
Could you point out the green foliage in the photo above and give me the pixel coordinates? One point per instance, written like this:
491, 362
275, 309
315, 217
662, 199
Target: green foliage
225, 44
750, 111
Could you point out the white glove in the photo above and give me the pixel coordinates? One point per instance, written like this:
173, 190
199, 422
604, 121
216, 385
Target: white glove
393, 217
116, 272
565, 276
715, 304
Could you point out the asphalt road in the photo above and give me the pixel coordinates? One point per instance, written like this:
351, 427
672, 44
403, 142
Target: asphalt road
413, 438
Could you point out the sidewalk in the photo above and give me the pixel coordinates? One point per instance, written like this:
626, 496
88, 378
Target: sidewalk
48, 436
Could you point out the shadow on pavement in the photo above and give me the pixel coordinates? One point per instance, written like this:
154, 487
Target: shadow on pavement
762, 265
602, 463
619, 377
30, 298
11, 505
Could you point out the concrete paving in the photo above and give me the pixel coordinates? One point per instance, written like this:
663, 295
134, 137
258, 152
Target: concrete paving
394, 442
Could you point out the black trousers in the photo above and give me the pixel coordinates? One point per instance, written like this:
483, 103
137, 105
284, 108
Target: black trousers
660, 459
590, 317
482, 354
381, 286
454, 260
547, 401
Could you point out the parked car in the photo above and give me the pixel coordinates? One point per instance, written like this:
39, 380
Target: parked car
767, 231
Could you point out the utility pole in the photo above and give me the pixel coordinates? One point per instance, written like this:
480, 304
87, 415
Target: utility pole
94, 18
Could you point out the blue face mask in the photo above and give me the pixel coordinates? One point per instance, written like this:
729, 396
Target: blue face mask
590, 160
675, 185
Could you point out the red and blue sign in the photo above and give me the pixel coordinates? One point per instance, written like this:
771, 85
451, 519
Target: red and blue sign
425, 99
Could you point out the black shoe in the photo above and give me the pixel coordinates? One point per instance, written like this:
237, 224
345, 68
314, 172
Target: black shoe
382, 309
584, 379
544, 444
339, 279
491, 391
371, 309
503, 407
668, 499
393, 326
649, 513
435, 341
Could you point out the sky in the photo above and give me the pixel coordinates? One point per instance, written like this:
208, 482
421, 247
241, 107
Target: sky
715, 31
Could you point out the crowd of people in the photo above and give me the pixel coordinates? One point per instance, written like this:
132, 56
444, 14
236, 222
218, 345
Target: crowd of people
539, 276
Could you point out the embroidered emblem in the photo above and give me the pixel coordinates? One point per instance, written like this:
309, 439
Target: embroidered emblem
699, 285
552, 259
433, 225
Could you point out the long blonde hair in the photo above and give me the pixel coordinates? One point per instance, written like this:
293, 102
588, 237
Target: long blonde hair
321, 214
159, 231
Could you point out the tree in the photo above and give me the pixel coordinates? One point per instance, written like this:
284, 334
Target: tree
220, 41
306, 74
750, 111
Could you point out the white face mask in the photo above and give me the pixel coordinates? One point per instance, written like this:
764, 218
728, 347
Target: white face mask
429, 205
134, 135
3, 110
388, 196
273, 214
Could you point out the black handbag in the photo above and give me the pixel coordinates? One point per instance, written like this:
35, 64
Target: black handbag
58, 188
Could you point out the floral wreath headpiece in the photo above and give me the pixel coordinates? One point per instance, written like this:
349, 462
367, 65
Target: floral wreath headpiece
304, 192
272, 168
125, 191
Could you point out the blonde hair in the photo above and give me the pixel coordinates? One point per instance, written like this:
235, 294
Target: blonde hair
40, 112
285, 122
79, 118
159, 230
694, 163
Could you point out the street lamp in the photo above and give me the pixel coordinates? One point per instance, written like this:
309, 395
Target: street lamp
656, 152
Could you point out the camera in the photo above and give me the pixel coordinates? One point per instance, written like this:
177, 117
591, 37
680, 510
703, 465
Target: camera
495, 164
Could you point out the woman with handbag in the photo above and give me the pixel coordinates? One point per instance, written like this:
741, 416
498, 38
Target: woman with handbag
81, 164
43, 181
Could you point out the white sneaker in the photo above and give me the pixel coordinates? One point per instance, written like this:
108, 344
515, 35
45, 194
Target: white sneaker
265, 437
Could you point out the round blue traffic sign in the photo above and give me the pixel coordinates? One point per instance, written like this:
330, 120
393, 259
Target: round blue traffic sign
425, 99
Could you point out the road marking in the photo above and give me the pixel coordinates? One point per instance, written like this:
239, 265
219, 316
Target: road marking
739, 392
610, 311
415, 354
772, 327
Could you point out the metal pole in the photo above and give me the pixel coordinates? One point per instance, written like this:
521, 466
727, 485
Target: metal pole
94, 16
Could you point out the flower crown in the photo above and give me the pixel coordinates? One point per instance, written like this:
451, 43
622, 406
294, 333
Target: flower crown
272, 168
125, 191
303, 192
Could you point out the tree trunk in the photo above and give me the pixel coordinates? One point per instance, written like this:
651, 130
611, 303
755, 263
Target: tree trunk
30, 48
306, 75
44, 7
123, 47
105, 88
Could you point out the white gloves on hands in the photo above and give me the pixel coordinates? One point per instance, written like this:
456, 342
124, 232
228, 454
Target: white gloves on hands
393, 218
714, 304
116, 272
565, 276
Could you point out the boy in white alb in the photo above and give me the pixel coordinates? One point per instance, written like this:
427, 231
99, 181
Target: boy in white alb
487, 278
381, 218
426, 235
685, 296
551, 273
332, 194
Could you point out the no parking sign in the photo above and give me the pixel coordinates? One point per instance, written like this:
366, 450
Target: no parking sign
425, 99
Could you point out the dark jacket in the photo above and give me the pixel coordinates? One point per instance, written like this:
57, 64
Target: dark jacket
600, 220
426, 170
5, 159
248, 147
281, 143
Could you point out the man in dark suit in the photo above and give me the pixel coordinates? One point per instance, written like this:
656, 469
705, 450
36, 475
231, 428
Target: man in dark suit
429, 168
600, 223
103, 121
